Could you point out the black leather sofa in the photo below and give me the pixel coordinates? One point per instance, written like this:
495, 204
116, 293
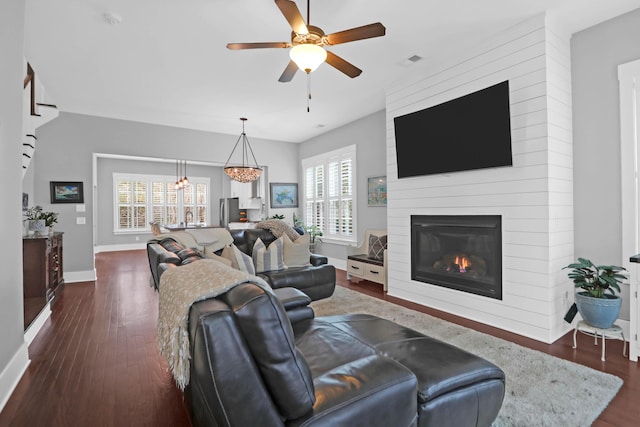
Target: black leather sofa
317, 280
250, 366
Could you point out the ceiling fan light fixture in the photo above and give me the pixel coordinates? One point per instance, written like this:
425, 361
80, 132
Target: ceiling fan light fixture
308, 56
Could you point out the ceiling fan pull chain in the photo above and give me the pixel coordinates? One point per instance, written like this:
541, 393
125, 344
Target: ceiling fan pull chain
308, 91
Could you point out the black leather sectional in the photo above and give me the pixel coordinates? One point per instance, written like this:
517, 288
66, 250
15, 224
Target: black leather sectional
251, 366
317, 280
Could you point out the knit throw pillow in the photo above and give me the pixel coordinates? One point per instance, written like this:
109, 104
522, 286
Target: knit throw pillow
268, 258
239, 260
377, 245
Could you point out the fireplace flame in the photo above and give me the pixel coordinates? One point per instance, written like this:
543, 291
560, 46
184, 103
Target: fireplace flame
462, 263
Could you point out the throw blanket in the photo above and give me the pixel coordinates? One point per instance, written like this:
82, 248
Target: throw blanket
208, 240
278, 228
211, 238
179, 289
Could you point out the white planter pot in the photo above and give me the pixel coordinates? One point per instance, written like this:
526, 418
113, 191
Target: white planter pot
37, 226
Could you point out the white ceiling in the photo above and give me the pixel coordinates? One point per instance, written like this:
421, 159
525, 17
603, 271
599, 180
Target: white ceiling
167, 63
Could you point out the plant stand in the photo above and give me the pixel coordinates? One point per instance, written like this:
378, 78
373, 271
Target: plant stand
614, 332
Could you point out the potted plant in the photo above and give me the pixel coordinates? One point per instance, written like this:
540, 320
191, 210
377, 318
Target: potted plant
598, 303
298, 221
39, 220
314, 232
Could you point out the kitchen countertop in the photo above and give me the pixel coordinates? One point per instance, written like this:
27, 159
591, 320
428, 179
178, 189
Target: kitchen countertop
242, 225
180, 227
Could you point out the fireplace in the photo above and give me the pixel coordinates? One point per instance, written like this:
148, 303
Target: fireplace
462, 252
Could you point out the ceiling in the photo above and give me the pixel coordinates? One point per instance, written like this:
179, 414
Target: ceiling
166, 61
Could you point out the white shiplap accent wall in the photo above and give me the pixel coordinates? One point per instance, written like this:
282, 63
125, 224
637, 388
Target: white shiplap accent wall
534, 197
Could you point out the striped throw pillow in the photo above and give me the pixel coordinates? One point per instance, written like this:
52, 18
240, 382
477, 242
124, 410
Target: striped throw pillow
239, 260
268, 258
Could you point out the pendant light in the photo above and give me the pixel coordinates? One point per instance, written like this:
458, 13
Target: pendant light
244, 172
185, 180
181, 182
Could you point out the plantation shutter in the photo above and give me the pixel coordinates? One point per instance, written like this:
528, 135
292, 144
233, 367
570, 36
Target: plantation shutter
329, 193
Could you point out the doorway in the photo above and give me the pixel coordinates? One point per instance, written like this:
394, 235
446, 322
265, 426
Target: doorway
629, 86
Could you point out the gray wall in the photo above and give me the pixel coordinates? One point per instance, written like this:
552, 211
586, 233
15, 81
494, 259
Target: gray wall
369, 134
12, 348
595, 55
66, 146
108, 166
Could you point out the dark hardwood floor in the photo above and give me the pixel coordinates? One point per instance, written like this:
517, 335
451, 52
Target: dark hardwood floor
95, 362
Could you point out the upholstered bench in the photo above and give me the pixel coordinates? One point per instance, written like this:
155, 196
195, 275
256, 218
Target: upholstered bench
368, 260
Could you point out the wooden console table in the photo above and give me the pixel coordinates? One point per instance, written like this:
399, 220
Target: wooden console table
41, 272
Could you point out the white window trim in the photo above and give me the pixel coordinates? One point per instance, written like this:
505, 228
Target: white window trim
150, 178
324, 158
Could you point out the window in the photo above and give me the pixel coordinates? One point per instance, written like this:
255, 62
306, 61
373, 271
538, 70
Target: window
329, 193
141, 199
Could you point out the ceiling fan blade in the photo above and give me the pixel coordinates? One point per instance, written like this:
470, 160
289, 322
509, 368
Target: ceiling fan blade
341, 65
358, 33
293, 16
288, 72
239, 46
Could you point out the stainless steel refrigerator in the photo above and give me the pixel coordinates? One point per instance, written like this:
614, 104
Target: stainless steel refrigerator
229, 211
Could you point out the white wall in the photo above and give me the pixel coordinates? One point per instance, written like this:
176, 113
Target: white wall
534, 197
13, 349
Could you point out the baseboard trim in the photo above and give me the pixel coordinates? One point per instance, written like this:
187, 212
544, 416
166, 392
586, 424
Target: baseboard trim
116, 248
338, 263
80, 276
12, 373
37, 324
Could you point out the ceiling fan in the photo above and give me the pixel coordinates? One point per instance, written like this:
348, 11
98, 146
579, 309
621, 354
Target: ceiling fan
307, 43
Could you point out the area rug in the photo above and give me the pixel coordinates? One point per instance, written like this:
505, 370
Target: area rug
541, 390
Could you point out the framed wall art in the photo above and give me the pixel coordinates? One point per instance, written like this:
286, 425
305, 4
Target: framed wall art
283, 194
377, 191
66, 192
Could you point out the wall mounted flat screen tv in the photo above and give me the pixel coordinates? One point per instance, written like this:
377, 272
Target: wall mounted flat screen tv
466, 133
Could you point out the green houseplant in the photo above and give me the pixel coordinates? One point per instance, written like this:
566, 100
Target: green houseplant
314, 233
597, 303
40, 219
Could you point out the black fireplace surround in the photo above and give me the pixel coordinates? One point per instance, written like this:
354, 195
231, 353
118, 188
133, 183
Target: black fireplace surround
462, 252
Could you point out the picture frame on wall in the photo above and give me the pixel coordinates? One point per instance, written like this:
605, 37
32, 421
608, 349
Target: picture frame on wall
66, 191
283, 194
377, 191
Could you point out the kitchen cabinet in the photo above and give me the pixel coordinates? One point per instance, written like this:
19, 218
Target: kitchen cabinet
248, 194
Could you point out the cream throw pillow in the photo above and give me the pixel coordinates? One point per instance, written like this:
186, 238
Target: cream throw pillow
296, 254
268, 258
239, 260
219, 258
